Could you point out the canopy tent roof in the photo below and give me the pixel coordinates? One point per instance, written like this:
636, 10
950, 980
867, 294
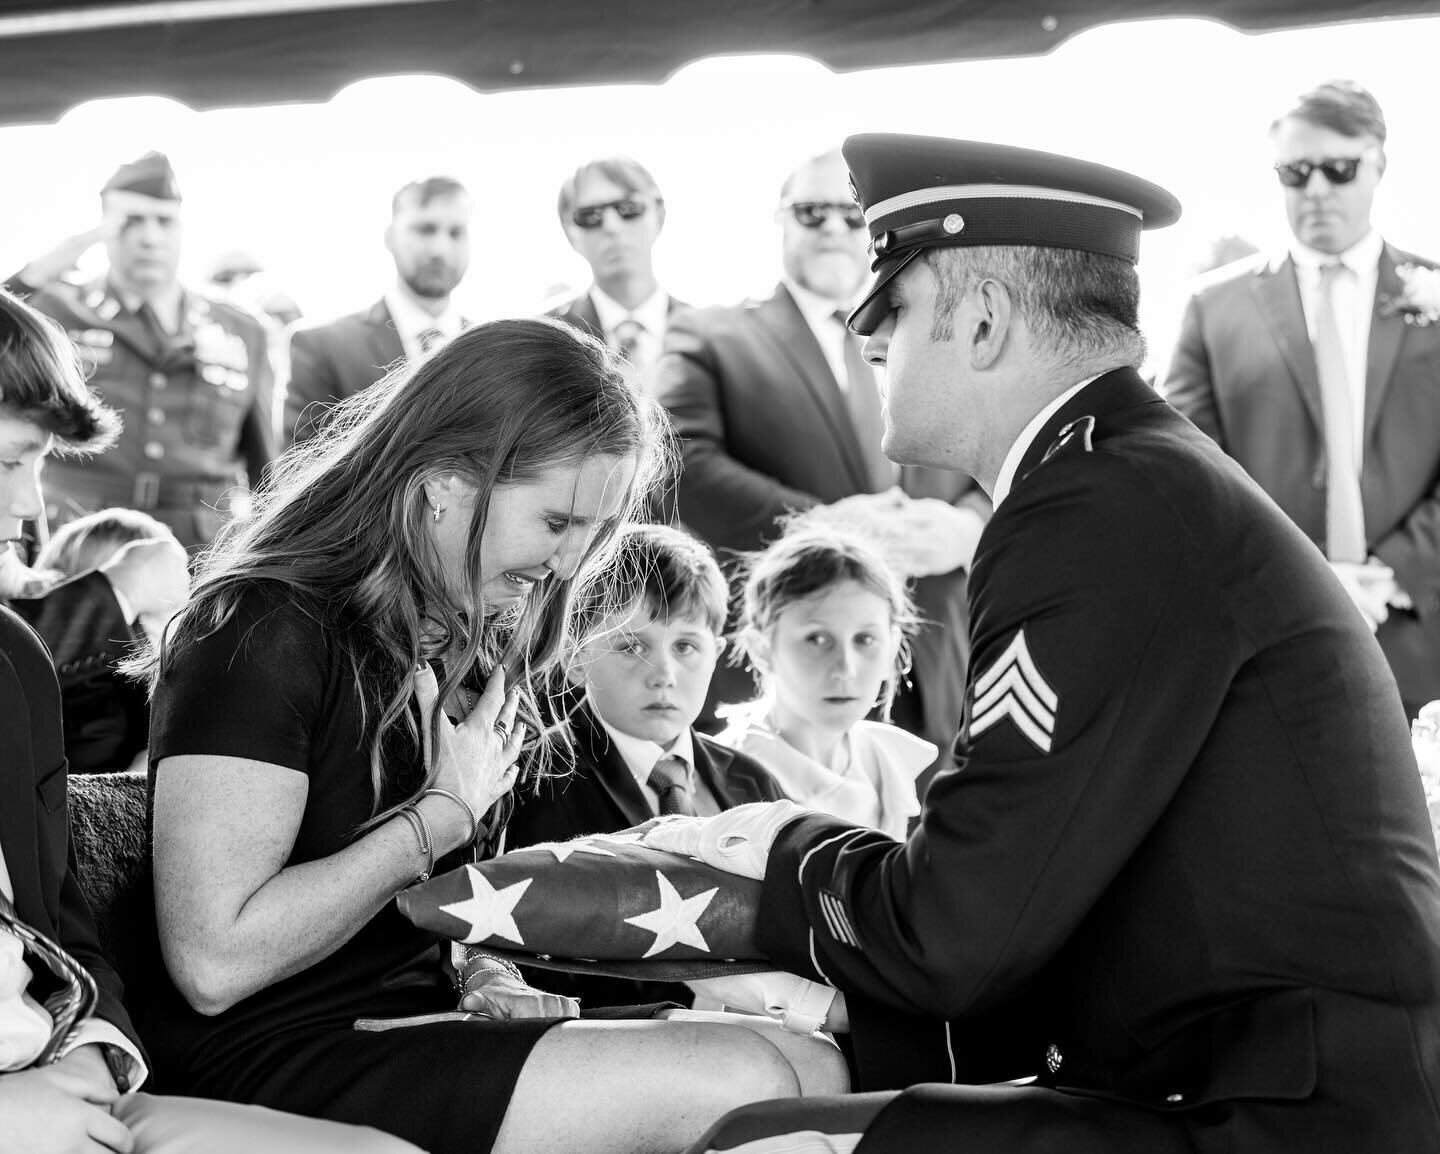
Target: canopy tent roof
55, 54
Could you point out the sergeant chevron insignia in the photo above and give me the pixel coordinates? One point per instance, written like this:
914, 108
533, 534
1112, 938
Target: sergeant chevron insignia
1013, 687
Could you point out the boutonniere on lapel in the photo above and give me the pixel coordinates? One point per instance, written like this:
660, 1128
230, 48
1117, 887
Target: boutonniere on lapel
1419, 299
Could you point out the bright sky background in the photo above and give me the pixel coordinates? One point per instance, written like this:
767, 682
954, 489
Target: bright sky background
306, 188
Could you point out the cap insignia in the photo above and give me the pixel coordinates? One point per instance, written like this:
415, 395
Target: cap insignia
953, 223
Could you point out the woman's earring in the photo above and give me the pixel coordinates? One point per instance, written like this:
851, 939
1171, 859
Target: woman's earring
438, 509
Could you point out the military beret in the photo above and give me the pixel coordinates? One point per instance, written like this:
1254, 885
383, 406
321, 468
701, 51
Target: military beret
150, 175
922, 192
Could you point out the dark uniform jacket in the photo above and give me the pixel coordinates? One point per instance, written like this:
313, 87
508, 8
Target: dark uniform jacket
1183, 871
333, 361
766, 431
197, 406
33, 813
106, 715
1244, 372
602, 796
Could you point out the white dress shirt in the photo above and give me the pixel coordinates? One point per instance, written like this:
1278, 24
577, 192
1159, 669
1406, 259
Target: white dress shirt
641, 755
411, 320
652, 315
1354, 296
22, 1018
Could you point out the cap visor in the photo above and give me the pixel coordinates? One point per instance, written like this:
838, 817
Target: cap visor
871, 311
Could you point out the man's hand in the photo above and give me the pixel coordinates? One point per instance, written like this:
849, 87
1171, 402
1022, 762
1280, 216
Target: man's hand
737, 841
930, 536
50, 266
84, 1071
153, 576
1371, 587
41, 1113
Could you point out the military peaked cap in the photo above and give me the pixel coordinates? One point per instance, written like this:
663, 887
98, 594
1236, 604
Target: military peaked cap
922, 192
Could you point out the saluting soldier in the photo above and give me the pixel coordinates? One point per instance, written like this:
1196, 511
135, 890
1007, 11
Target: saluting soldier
1183, 876
190, 375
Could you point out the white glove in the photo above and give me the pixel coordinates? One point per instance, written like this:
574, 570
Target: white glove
799, 1004
736, 841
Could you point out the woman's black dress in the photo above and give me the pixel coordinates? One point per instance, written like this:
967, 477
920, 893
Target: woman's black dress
275, 685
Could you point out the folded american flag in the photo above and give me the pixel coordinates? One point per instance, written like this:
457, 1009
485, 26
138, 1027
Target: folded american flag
606, 902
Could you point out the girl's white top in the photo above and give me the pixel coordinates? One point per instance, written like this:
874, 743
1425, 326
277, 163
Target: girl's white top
876, 787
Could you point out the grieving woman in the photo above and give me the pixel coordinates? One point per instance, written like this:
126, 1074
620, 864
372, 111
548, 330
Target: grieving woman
340, 711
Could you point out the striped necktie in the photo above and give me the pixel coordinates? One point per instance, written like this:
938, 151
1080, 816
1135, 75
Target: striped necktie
671, 780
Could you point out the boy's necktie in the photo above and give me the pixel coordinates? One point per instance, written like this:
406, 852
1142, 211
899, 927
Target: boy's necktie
671, 780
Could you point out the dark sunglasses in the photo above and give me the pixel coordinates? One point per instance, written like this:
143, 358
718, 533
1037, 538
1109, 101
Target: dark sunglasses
1337, 170
593, 215
814, 213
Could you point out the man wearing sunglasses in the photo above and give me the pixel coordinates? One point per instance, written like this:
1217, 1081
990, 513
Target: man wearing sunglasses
1316, 369
612, 212
778, 411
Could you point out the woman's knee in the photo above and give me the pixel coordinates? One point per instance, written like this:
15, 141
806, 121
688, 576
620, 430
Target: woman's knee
753, 1069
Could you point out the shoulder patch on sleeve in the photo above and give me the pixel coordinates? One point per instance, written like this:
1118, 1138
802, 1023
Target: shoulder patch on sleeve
1077, 436
1014, 687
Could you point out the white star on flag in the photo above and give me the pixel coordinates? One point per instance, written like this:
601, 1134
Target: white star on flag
563, 849
488, 911
675, 920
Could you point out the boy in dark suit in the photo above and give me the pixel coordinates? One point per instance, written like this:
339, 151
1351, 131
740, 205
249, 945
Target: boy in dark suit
643, 664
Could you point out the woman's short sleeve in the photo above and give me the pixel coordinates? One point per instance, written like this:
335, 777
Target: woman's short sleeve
254, 688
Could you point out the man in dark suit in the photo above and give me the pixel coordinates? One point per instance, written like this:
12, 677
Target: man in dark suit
612, 213
1316, 369
83, 1099
778, 412
1183, 875
429, 238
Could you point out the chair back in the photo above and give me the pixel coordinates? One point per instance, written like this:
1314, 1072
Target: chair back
110, 836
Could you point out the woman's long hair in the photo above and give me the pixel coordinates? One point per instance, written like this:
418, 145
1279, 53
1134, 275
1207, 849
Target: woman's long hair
340, 525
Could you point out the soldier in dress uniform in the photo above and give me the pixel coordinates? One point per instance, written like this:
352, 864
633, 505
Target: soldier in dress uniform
190, 375
1183, 876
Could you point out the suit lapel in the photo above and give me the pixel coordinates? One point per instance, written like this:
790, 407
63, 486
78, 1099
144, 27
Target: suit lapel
385, 345
711, 765
1386, 333
1278, 294
781, 320
612, 776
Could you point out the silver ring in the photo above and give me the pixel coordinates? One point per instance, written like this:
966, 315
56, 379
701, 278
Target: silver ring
502, 730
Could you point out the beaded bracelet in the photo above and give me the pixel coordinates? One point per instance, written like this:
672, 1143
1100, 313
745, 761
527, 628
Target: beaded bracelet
463, 804
417, 822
